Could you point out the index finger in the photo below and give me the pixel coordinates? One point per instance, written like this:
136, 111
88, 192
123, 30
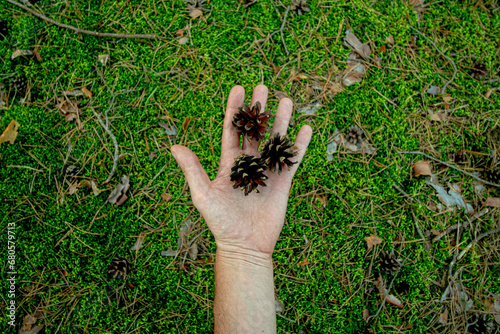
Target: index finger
230, 137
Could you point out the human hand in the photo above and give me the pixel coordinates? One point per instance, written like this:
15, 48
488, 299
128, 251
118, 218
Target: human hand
243, 223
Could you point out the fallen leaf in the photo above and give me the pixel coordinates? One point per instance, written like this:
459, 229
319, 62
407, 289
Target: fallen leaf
447, 98
179, 32
90, 184
139, 242
183, 40
422, 167
10, 133
103, 59
330, 150
382, 48
166, 197
170, 130
452, 197
299, 76
33, 330
28, 321
493, 202
37, 55
437, 116
280, 95
279, 306
304, 262
194, 12
193, 251
69, 109
443, 318
355, 70
384, 293
19, 53
73, 188
186, 122
434, 90
435, 232
352, 41
86, 92
169, 253
373, 240
488, 93
184, 232
118, 195
366, 315
310, 109
389, 40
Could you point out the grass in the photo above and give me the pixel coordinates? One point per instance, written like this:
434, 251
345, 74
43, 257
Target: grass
65, 242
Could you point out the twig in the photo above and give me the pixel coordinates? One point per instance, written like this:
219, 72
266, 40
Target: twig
281, 30
115, 143
451, 166
479, 237
463, 226
386, 295
428, 245
81, 31
443, 90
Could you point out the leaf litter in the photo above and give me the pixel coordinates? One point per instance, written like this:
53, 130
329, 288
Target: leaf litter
119, 195
10, 133
184, 243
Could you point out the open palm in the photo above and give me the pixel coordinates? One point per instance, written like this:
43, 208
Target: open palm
251, 222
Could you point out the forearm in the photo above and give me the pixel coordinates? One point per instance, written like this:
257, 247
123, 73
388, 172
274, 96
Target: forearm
244, 292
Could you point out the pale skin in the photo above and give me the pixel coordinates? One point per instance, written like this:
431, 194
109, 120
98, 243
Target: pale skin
245, 228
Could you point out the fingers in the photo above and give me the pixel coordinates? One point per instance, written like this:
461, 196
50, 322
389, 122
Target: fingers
195, 174
301, 142
259, 95
231, 138
282, 117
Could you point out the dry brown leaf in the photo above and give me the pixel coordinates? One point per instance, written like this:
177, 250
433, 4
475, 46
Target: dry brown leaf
37, 55
355, 70
389, 40
435, 232
366, 315
194, 12
362, 49
384, 293
422, 167
280, 95
373, 240
183, 40
304, 262
299, 76
118, 195
10, 132
447, 98
28, 321
19, 53
493, 202
437, 116
86, 92
179, 32
193, 251
73, 188
139, 242
91, 184
33, 330
69, 109
166, 197
186, 122
103, 59
488, 93
443, 318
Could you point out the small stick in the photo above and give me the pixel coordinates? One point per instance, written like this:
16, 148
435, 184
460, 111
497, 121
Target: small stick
281, 30
452, 62
451, 166
464, 225
479, 237
77, 30
115, 143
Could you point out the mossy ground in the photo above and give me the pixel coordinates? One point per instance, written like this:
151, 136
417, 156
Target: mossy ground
65, 243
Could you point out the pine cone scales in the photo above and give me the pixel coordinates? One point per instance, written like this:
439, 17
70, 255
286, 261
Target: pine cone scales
251, 122
354, 134
492, 175
119, 268
278, 151
388, 262
20, 84
247, 173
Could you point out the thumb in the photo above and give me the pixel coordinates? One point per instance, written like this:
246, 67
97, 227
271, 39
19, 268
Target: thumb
196, 176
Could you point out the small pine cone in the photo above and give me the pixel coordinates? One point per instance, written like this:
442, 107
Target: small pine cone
478, 71
460, 157
492, 175
354, 134
277, 151
300, 6
251, 122
119, 268
20, 84
247, 173
388, 262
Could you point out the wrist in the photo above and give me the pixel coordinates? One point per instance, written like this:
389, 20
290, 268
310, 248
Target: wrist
238, 257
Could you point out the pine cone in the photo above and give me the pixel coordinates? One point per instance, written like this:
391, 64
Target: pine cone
388, 262
460, 157
251, 122
20, 84
300, 6
247, 173
478, 71
492, 175
354, 134
119, 268
277, 151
